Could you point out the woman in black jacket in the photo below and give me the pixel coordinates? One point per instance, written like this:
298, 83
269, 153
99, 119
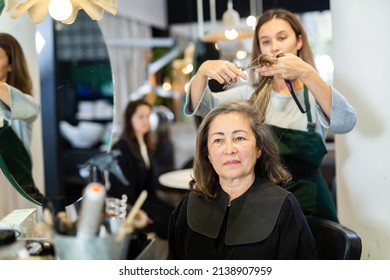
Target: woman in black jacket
136, 163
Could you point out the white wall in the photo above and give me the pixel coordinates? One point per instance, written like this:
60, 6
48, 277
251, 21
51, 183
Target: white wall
361, 52
24, 31
149, 12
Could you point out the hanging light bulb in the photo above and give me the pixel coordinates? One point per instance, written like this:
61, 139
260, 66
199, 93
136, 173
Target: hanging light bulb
60, 9
241, 54
230, 20
251, 21
231, 27
188, 69
231, 34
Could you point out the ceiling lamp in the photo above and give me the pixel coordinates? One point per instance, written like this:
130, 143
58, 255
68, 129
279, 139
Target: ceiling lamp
61, 10
232, 29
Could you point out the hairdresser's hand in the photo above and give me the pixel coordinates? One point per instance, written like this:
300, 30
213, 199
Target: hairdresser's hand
289, 66
222, 71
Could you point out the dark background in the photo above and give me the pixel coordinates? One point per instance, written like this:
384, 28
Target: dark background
181, 11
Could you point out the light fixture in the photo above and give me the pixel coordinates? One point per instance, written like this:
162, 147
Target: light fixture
232, 29
60, 9
37, 9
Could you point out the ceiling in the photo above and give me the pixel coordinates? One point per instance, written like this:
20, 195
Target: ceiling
162, 14
184, 11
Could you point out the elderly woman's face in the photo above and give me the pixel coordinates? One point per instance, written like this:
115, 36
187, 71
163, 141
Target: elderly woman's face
232, 146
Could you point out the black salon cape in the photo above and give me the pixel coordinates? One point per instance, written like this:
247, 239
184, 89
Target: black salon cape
266, 222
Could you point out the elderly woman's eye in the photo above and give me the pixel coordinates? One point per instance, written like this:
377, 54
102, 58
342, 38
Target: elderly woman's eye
217, 140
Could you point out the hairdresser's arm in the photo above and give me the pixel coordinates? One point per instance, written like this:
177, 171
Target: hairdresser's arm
343, 115
20, 105
320, 90
219, 70
292, 67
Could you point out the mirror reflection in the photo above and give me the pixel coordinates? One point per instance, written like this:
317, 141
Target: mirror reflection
18, 111
24, 32
84, 93
84, 108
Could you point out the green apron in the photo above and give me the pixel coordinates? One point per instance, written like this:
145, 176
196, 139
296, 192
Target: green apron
303, 152
15, 162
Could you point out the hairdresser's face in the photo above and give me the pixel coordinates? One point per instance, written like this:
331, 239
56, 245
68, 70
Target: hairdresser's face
232, 146
4, 65
276, 36
140, 120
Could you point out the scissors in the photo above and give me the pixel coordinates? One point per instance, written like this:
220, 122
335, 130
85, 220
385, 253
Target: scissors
254, 64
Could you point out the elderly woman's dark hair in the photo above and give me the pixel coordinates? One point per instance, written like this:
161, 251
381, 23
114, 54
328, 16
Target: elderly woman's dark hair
205, 179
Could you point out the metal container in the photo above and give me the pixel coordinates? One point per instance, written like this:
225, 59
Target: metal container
90, 248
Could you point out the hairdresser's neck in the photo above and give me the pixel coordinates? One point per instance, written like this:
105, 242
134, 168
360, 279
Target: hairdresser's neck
279, 85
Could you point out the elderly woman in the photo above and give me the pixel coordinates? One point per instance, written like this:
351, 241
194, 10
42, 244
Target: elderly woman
235, 209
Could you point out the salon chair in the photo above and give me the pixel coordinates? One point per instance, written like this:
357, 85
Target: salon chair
148, 253
335, 241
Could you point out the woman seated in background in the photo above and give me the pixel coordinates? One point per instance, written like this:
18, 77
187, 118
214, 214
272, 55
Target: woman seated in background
137, 166
235, 209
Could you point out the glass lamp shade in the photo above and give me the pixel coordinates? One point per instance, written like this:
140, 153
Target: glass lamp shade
37, 10
231, 29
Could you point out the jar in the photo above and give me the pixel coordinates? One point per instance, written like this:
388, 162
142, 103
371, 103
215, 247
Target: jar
10, 248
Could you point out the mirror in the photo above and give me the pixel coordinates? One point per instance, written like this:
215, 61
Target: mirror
84, 97
81, 102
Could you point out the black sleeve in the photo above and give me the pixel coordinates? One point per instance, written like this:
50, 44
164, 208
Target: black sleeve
125, 162
296, 239
175, 222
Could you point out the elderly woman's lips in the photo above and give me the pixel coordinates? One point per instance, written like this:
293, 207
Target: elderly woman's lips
230, 162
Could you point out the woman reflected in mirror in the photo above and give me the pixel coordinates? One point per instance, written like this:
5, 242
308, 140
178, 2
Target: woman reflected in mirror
18, 111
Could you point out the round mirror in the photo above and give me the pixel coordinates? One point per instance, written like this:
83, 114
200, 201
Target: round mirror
76, 112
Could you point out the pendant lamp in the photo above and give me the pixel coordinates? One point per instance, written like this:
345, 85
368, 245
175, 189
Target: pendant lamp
232, 29
61, 10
